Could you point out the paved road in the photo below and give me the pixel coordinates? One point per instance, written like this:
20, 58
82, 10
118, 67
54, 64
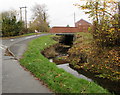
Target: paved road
0, 68
14, 78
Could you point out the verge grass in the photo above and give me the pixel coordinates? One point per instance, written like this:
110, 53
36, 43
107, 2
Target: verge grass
56, 79
29, 34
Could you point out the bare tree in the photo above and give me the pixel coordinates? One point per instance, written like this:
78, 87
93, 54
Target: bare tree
40, 21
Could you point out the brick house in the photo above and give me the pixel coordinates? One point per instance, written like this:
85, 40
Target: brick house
83, 25
80, 26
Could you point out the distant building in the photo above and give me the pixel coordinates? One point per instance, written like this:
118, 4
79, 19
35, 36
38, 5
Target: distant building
64, 30
83, 25
80, 26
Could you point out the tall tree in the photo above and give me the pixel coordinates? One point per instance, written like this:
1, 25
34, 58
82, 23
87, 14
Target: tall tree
40, 21
105, 20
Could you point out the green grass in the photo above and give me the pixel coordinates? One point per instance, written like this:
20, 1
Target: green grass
57, 79
29, 34
84, 37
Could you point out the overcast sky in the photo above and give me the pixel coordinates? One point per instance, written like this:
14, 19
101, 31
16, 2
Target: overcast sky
61, 12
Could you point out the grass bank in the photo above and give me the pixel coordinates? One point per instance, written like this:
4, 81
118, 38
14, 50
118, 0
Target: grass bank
29, 34
56, 79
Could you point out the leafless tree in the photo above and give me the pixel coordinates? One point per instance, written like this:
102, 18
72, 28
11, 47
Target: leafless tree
40, 21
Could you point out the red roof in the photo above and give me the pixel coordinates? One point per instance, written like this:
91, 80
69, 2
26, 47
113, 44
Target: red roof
64, 30
83, 22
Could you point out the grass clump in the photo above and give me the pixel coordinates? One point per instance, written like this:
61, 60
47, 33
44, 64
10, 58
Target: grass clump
57, 79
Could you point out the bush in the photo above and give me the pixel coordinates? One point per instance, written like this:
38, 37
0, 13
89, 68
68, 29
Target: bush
86, 54
10, 25
106, 34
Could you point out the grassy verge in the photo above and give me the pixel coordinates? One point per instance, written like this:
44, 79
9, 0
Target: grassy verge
29, 34
57, 79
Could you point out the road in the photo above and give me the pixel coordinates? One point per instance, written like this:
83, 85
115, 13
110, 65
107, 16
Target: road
14, 78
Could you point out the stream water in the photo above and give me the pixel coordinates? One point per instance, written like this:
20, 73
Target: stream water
71, 71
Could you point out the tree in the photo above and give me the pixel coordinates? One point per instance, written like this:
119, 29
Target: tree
40, 16
10, 25
105, 21
68, 26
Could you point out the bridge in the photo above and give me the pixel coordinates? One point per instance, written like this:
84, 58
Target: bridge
80, 26
66, 32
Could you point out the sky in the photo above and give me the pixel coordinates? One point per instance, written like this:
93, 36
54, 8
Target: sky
61, 12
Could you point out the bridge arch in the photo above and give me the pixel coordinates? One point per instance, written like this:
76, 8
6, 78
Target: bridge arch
67, 38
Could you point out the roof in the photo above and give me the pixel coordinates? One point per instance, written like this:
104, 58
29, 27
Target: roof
83, 22
64, 30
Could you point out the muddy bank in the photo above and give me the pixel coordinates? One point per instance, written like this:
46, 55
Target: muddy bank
58, 53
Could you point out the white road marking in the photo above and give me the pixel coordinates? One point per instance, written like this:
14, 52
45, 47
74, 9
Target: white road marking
3, 47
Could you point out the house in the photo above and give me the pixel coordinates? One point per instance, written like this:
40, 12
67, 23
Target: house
80, 26
83, 25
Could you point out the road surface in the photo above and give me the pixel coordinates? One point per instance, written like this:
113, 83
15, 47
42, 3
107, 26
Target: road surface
14, 78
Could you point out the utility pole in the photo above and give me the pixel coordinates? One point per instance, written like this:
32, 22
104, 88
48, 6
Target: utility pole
25, 15
20, 13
